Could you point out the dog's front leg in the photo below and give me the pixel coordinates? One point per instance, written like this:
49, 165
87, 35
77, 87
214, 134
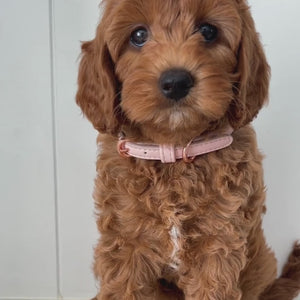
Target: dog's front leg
214, 269
127, 272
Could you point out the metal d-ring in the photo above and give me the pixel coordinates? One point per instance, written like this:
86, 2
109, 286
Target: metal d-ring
185, 157
122, 150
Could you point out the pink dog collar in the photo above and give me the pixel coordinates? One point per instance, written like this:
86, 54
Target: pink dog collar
170, 153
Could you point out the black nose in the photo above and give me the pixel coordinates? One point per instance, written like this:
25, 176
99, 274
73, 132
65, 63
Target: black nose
175, 84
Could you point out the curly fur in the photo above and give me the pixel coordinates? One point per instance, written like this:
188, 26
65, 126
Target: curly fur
216, 203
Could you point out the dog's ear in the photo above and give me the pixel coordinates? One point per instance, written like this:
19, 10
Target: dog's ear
253, 73
97, 85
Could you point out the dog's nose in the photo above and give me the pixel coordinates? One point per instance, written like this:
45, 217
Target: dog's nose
175, 84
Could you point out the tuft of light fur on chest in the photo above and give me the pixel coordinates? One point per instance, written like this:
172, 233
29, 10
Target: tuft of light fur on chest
175, 238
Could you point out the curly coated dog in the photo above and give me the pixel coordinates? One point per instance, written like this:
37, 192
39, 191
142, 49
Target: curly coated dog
172, 87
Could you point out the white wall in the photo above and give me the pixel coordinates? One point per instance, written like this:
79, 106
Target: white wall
48, 151
278, 124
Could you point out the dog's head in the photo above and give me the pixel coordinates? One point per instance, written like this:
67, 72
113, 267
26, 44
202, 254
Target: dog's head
173, 68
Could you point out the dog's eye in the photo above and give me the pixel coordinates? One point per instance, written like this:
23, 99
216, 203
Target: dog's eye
209, 32
139, 37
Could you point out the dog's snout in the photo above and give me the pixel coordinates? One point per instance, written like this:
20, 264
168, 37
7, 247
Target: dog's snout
175, 84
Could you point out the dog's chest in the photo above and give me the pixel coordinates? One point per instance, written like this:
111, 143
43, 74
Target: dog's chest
177, 200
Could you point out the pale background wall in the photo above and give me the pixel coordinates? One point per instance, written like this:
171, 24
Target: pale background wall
47, 151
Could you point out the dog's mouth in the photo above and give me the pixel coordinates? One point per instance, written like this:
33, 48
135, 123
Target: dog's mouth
177, 116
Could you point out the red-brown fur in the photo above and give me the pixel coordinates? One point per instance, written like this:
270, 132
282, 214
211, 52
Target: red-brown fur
216, 202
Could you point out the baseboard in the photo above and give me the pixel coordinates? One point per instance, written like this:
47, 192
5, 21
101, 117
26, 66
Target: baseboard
41, 298
30, 298
27, 298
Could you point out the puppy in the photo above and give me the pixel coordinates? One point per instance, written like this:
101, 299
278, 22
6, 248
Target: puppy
172, 87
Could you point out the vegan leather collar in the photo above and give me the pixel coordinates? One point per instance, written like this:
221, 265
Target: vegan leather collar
168, 153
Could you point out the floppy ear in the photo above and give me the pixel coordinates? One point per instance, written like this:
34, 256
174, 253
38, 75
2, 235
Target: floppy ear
253, 73
97, 85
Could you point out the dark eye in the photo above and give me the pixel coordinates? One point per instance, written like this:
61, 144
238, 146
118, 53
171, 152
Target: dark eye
139, 37
209, 32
